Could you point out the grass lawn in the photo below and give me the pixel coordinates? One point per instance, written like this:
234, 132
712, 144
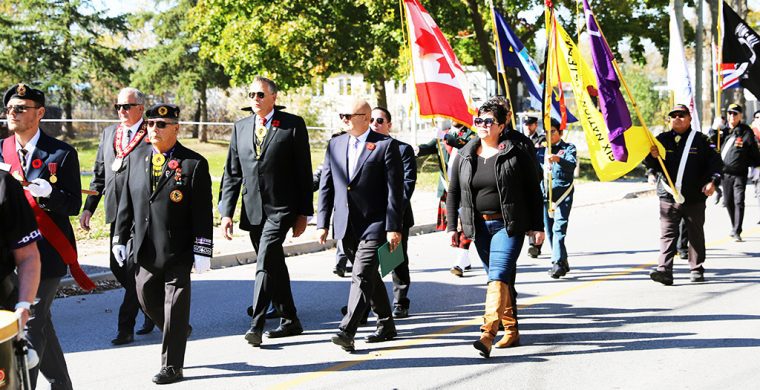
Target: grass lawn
216, 154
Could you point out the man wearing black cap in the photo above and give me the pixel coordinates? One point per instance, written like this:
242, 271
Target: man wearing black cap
116, 145
49, 170
167, 196
738, 148
695, 169
269, 155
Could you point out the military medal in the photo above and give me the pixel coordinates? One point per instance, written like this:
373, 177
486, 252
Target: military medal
53, 168
176, 196
158, 160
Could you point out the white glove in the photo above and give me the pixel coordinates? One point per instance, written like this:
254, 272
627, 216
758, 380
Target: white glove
120, 253
202, 264
717, 123
652, 180
40, 188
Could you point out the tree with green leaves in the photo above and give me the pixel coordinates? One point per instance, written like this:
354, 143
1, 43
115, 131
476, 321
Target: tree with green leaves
174, 65
61, 46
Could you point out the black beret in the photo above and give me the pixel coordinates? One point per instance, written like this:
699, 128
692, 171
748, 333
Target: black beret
163, 111
23, 91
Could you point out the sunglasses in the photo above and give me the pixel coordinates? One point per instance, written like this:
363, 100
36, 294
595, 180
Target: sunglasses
487, 122
733, 113
254, 95
158, 124
18, 108
379, 121
124, 107
678, 115
349, 116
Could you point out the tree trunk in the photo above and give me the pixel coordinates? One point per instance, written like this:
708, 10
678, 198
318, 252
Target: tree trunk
482, 37
380, 92
202, 128
68, 93
698, 58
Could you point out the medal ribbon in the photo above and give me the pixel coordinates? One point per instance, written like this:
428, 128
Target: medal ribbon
50, 231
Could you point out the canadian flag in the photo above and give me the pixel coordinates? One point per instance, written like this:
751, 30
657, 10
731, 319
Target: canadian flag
442, 88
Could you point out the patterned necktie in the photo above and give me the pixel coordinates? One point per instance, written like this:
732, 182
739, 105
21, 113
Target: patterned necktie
261, 131
22, 154
353, 156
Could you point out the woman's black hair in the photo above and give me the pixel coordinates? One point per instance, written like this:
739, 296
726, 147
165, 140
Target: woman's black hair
498, 106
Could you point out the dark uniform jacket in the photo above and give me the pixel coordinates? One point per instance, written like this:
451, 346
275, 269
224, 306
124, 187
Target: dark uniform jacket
409, 164
18, 228
373, 199
704, 165
562, 171
741, 155
105, 181
277, 183
172, 222
517, 181
64, 201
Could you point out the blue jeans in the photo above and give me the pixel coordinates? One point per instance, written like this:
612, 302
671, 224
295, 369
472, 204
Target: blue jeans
556, 228
498, 250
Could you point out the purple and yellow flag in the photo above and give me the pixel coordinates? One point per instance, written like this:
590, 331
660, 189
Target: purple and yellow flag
611, 101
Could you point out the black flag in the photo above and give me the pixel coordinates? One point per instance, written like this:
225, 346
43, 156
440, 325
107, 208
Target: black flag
741, 48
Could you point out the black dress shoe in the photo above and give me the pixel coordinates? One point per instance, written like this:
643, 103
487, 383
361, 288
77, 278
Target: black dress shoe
340, 271
380, 336
253, 336
400, 312
663, 277
168, 375
344, 341
557, 271
284, 330
123, 338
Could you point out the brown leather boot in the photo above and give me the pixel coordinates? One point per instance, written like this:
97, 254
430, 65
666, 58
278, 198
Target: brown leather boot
495, 301
509, 321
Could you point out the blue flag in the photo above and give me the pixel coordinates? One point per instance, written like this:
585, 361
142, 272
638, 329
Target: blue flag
511, 53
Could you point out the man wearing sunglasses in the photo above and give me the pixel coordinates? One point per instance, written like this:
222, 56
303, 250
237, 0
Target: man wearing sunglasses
695, 169
117, 143
166, 199
363, 183
49, 170
269, 155
739, 150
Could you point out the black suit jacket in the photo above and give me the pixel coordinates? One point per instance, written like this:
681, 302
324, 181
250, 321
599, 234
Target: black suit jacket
277, 183
409, 163
64, 201
105, 181
373, 199
168, 231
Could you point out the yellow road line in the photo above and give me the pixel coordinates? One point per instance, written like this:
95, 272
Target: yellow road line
300, 380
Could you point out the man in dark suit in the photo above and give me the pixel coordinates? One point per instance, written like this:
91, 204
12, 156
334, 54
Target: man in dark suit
49, 170
167, 197
269, 156
116, 145
362, 181
381, 123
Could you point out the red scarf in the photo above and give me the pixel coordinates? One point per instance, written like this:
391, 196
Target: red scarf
50, 231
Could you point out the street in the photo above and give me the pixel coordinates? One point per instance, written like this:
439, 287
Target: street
606, 325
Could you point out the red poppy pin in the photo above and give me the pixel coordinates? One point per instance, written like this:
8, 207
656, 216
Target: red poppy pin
275, 123
173, 164
36, 163
370, 146
502, 146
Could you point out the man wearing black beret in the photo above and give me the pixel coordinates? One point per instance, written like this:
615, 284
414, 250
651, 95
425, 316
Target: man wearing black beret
167, 197
49, 171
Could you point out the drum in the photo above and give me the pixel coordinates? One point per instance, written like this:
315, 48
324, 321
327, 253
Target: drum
8, 366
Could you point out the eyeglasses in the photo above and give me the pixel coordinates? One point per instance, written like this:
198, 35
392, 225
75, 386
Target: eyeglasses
349, 116
124, 107
158, 124
487, 122
678, 115
379, 121
18, 108
254, 95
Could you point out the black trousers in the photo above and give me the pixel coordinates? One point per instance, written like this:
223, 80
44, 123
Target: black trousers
272, 276
130, 305
367, 288
165, 297
401, 279
734, 187
693, 215
45, 341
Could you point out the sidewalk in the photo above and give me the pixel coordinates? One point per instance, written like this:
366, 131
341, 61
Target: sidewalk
94, 254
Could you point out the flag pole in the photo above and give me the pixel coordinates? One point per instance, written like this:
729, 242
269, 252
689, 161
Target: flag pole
549, 63
640, 117
719, 88
500, 61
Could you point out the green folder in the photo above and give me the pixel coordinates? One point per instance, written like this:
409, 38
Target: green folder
389, 260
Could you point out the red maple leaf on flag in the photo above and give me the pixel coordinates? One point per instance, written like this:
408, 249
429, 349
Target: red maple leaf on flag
427, 43
445, 68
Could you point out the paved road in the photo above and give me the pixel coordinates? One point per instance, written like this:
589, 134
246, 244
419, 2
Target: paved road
605, 326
